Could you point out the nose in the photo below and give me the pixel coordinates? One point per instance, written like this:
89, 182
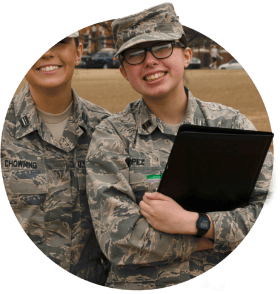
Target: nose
49, 54
150, 60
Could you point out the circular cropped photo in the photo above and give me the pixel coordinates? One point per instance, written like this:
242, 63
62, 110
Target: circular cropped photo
137, 152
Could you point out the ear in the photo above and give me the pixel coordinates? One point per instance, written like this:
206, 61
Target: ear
79, 53
187, 56
123, 72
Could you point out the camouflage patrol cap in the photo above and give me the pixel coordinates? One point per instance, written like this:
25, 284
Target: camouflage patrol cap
74, 35
159, 23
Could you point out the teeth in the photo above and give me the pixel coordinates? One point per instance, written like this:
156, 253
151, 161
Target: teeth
155, 76
49, 68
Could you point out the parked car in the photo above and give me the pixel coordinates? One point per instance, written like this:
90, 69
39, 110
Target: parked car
233, 64
101, 60
195, 63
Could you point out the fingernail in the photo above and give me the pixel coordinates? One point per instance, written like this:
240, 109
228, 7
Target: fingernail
148, 194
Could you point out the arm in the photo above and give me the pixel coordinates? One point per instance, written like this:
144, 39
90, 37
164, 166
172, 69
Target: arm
231, 227
159, 210
228, 228
123, 233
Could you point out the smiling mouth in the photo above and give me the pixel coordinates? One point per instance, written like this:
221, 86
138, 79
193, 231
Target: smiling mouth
49, 68
154, 76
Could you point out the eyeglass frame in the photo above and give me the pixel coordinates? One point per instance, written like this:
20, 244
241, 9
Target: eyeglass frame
173, 43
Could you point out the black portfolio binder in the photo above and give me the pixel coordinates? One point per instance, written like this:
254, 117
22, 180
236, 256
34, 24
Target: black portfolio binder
214, 169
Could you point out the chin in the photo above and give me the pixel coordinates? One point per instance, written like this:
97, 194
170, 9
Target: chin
55, 83
158, 93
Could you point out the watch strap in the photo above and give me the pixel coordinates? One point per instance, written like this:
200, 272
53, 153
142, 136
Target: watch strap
202, 217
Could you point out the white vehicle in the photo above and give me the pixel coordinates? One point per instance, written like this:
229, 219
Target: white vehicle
195, 63
233, 64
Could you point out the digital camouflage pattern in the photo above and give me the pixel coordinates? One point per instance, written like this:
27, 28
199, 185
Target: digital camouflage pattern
159, 23
126, 148
45, 182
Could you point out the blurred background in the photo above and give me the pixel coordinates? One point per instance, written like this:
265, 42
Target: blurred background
98, 79
99, 49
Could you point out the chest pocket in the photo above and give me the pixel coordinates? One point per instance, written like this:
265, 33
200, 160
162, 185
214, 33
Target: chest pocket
143, 162
26, 190
23, 182
138, 180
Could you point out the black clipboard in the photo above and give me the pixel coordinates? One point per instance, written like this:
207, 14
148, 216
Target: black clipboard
214, 169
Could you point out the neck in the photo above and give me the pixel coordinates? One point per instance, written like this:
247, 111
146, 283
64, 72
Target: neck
52, 100
171, 109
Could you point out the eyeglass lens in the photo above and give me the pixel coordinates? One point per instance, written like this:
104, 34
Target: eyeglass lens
159, 50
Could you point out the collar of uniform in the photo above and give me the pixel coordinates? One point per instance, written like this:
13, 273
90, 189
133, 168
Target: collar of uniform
194, 115
25, 110
26, 113
79, 114
148, 122
76, 126
191, 106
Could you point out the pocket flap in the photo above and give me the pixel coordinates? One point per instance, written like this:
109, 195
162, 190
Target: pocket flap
25, 182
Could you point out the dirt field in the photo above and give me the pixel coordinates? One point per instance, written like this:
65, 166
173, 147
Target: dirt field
234, 88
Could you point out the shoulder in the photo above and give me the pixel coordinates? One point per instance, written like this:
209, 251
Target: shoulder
21, 104
89, 113
21, 101
124, 119
93, 109
219, 115
122, 123
213, 107
9, 127
10, 119
115, 133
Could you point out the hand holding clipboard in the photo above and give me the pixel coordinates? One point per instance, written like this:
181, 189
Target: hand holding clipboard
214, 169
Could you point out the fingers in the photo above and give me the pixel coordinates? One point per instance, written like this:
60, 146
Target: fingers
144, 213
144, 210
155, 196
144, 206
146, 200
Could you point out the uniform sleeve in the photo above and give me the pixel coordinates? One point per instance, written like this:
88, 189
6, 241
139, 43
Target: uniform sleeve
231, 227
123, 233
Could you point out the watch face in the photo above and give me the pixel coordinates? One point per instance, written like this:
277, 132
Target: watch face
203, 224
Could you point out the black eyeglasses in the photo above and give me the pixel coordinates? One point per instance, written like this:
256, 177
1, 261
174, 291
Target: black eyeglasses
160, 50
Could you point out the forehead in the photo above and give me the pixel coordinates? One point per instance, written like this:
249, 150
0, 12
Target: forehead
66, 40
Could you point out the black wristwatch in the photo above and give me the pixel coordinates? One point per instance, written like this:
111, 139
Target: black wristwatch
202, 224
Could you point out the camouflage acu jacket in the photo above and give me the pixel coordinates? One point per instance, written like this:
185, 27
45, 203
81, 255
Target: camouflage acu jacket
126, 148
46, 183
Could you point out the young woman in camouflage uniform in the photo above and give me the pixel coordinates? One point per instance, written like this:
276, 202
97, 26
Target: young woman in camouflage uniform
151, 241
45, 140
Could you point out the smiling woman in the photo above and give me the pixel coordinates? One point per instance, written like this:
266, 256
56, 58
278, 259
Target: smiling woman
151, 241
45, 140
50, 77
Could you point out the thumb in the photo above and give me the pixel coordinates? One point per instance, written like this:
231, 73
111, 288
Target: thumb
155, 196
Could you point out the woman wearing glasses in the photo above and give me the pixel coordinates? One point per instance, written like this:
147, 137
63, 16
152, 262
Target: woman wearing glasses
151, 241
